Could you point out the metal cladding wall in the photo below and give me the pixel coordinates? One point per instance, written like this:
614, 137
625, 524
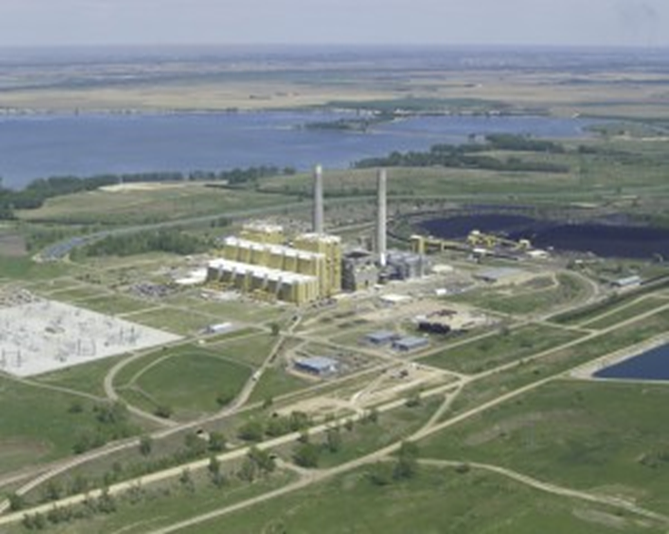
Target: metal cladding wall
330, 247
263, 285
262, 233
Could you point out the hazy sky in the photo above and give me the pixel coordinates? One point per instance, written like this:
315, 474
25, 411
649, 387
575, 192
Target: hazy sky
545, 22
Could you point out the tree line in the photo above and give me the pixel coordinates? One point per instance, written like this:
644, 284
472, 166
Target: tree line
164, 240
470, 156
39, 191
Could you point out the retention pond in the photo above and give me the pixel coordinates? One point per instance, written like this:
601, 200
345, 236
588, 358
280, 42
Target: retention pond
651, 365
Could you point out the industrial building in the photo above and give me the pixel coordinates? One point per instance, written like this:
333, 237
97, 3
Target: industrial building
317, 365
406, 265
263, 282
260, 232
383, 337
502, 275
410, 344
279, 257
312, 267
359, 270
329, 246
628, 282
259, 264
444, 321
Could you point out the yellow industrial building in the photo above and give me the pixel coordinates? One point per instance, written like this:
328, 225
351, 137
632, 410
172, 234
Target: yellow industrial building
330, 247
264, 283
263, 233
256, 264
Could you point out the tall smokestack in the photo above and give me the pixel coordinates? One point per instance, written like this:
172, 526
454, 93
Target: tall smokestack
318, 199
381, 244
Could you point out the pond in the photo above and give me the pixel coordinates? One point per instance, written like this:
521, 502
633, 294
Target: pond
651, 365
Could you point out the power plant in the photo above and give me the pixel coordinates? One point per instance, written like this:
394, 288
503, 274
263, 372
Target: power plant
264, 264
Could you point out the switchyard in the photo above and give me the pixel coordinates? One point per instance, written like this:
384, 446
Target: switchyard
39, 336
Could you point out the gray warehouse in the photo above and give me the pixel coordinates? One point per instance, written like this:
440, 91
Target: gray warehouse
409, 344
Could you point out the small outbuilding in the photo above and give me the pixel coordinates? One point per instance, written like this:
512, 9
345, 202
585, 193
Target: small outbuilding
383, 337
410, 344
501, 275
317, 365
628, 282
220, 328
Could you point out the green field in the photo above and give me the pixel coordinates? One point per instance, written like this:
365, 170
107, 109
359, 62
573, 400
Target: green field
189, 380
26, 270
87, 377
252, 312
559, 361
152, 507
115, 304
500, 348
192, 381
39, 425
530, 297
626, 312
276, 382
183, 322
148, 204
437, 501
606, 438
82, 292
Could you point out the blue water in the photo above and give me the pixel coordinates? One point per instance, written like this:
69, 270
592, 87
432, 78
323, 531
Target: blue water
651, 365
36, 146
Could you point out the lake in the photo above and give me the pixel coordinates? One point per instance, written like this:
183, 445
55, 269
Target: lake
38, 146
651, 365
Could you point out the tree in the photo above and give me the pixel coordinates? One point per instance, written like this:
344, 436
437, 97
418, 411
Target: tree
214, 466
52, 491
333, 439
372, 416
224, 398
145, 445
16, 502
299, 421
195, 444
248, 470
277, 426
163, 411
217, 442
251, 431
307, 455
407, 461
80, 484
276, 328
262, 459
381, 474
414, 400
186, 479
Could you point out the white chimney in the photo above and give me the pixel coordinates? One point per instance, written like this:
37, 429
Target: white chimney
381, 243
318, 199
